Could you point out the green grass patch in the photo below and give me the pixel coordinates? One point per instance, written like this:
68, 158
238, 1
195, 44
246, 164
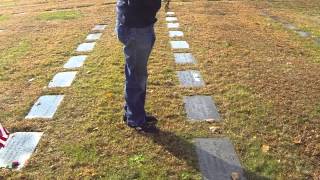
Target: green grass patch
59, 15
4, 17
81, 154
12, 55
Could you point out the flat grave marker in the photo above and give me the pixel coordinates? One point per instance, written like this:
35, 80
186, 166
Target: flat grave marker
62, 79
45, 107
20, 147
190, 79
179, 45
75, 62
99, 27
201, 108
184, 58
175, 34
217, 159
86, 47
303, 34
290, 26
93, 37
171, 19
173, 25
170, 13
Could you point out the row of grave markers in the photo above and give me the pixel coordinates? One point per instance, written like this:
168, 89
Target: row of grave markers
217, 157
21, 145
292, 27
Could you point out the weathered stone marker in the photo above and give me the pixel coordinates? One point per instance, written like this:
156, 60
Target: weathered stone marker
62, 79
184, 58
19, 148
75, 62
93, 37
201, 108
217, 159
171, 19
179, 45
175, 34
173, 25
190, 79
45, 107
99, 27
170, 13
86, 47
303, 34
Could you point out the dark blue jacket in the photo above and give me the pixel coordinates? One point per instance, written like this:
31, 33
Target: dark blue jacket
137, 13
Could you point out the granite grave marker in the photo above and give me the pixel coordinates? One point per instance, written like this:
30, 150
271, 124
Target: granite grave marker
217, 159
45, 107
62, 79
201, 108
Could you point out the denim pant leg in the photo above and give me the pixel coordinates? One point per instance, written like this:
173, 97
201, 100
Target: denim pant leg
138, 43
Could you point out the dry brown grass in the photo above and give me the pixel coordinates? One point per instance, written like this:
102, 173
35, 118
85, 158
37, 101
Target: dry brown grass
264, 80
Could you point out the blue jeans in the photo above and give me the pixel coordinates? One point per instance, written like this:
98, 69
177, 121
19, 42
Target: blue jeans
138, 43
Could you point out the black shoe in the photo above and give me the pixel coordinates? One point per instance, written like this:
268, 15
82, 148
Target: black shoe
149, 119
146, 128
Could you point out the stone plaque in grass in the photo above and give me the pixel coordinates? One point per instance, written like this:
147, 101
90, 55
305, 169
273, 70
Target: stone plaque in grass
171, 19
290, 26
175, 34
190, 79
94, 37
45, 107
86, 47
303, 34
201, 108
179, 45
99, 27
62, 79
19, 149
184, 58
173, 25
217, 159
75, 62
170, 13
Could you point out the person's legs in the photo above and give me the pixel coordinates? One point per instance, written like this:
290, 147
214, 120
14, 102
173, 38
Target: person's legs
138, 45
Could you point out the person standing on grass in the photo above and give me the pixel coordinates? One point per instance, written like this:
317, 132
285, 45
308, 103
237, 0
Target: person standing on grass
135, 30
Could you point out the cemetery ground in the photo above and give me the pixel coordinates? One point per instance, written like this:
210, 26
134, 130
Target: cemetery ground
264, 79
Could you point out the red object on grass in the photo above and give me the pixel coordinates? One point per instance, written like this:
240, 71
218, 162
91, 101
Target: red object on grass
4, 135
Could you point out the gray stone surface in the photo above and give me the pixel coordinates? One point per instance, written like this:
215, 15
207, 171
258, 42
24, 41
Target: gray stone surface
170, 13
184, 58
99, 27
303, 34
62, 79
179, 45
86, 47
93, 37
45, 107
317, 41
290, 26
171, 19
75, 62
173, 25
217, 159
20, 147
201, 108
175, 34
190, 79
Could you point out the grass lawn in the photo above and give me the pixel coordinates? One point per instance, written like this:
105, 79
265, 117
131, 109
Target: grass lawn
264, 79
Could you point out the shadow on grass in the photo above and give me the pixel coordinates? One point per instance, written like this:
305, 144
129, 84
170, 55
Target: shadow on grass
188, 152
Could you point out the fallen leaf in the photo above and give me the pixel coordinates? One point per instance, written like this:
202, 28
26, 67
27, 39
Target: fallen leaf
235, 176
214, 128
297, 140
265, 148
